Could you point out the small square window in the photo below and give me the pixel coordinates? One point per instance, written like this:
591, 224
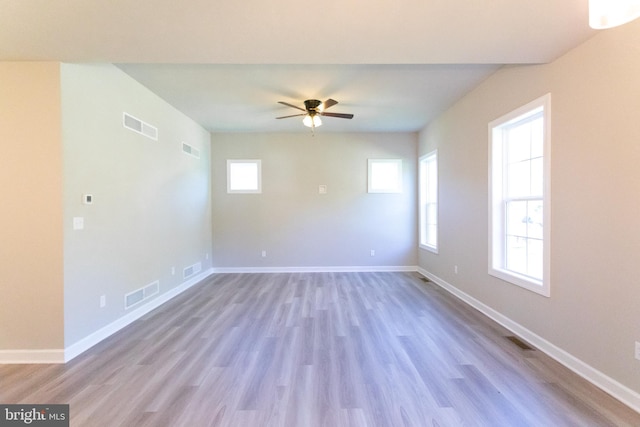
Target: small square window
244, 176
385, 176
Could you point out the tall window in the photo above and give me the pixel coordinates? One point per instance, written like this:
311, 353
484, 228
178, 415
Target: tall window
428, 187
519, 192
244, 176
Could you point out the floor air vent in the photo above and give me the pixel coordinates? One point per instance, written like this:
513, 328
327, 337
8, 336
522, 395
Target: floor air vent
139, 126
517, 341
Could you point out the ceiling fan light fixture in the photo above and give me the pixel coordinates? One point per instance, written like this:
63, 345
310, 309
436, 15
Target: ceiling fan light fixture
611, 13
312, 121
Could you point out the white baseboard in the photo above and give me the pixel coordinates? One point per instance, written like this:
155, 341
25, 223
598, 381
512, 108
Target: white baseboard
334, 269
86, 343
621, 392
63, 356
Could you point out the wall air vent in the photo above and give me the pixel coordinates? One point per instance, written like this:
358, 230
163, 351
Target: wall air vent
191, 270
151, 289
139, 295
133, 298
139, 126
190, 150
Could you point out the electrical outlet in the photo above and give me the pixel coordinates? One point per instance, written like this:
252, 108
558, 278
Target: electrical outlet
103, 301
173, 271
264, 254
373, 252
455, 269
637, 353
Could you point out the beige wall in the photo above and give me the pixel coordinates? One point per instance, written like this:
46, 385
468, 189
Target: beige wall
595, 182
151, 208
299, 227
31, 264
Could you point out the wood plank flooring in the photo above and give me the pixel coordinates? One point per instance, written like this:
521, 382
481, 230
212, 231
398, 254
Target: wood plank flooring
314, 349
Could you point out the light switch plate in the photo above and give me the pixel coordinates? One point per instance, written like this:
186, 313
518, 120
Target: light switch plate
78, 223
322, 189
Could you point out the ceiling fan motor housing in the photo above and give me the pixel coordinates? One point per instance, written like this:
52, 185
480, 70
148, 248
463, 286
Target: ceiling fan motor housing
312, 105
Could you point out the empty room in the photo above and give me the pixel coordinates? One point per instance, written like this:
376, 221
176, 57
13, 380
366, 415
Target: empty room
417, 213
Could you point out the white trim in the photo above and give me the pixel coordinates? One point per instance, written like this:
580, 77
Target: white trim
496, 215
621, 392
428, 248
86, 343
427, 160
31, 356
334, 269
74, 350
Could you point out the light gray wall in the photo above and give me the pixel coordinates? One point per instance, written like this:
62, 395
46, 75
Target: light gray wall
31, 280
297, 226
595, 201
151, 208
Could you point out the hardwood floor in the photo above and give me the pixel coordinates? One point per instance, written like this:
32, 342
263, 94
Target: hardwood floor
314, 349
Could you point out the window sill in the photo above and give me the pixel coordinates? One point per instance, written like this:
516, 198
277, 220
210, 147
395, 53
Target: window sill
522, 281
432, 249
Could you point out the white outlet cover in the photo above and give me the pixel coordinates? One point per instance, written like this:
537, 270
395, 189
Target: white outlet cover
322, 189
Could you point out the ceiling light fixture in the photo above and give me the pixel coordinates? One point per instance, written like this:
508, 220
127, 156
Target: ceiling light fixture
611, 13
312, 120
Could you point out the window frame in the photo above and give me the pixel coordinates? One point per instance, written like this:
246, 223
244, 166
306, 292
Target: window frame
258, 163
498, 198
370, 177
424, 162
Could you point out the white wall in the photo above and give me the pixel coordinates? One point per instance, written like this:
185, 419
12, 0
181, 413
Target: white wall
595, 182
31, 287
297, 226
151, 208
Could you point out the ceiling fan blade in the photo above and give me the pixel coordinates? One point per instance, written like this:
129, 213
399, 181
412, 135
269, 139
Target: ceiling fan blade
291, 105
329, 103
339, 115
293, 115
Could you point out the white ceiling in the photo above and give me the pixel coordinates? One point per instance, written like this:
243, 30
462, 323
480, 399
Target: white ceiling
394, 64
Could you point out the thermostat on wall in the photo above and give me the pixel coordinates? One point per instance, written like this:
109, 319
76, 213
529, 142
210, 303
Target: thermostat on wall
87, 199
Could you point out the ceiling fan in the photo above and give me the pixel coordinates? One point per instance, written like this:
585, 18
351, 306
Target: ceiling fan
313, 109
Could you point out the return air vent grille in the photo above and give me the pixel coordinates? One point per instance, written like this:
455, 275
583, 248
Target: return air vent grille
151, 289
139, 126
190, 150
191, 270
139, 295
